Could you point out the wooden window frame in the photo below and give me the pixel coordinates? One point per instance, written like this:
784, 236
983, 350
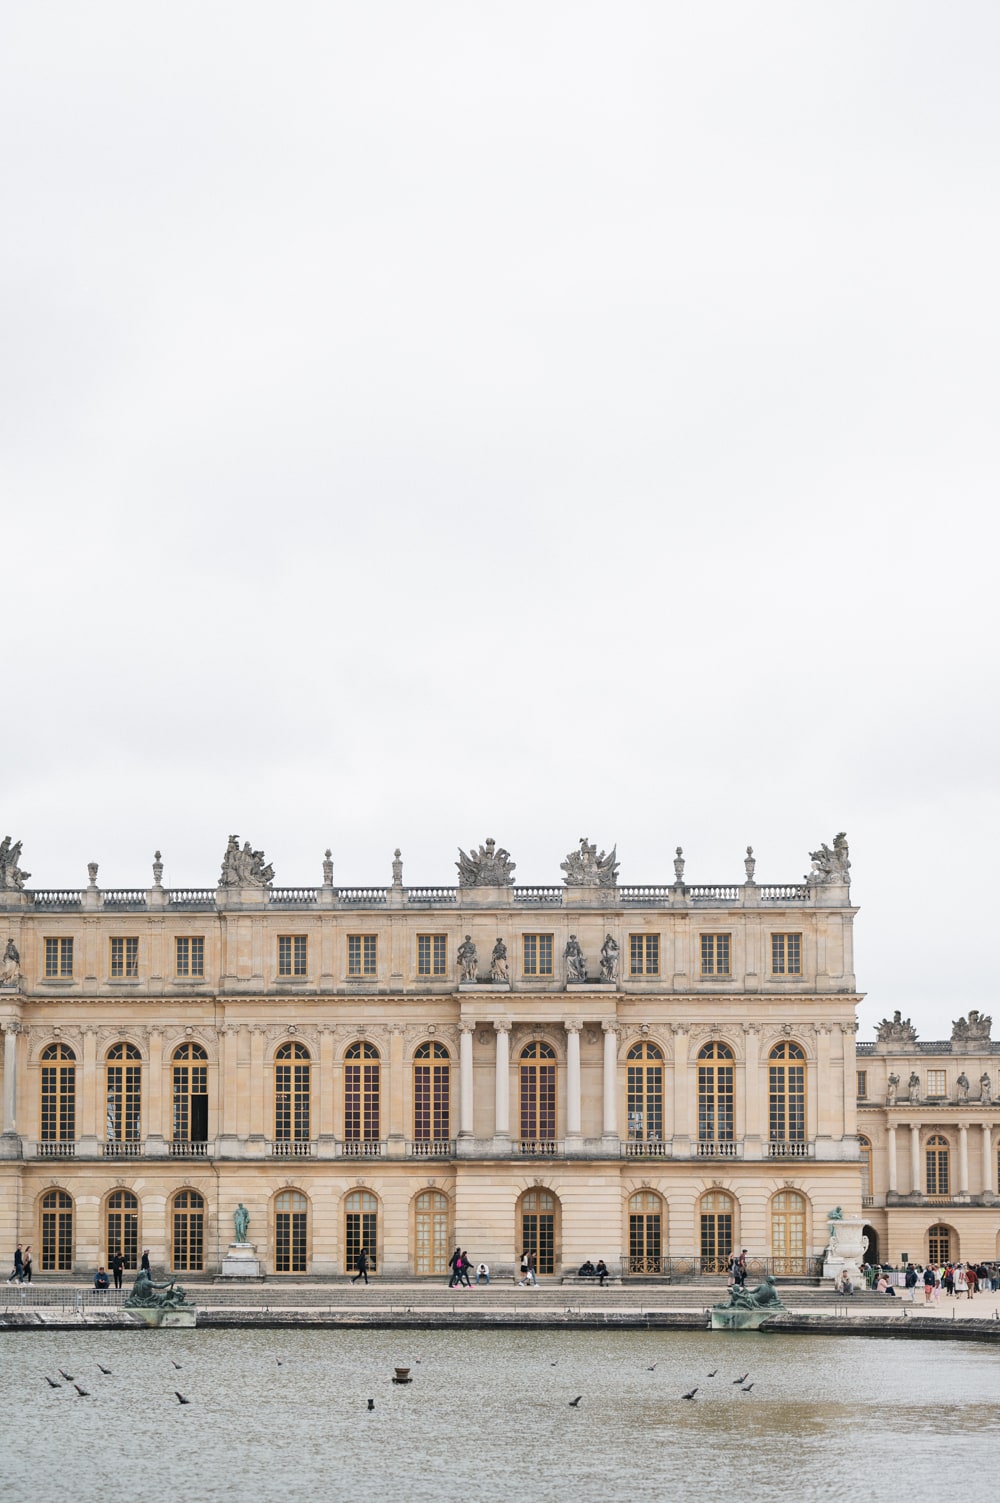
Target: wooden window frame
362, 955
123, 956
717, 953
189, 956
432, 955
537, 954
293, 955
59, 957
786, 952
643, 954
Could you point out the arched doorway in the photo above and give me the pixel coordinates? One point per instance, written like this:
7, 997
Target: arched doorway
122, 1223
430, 1229
57, 1232
538, 1093
788, 1233
645, 1232
360, 1229
291, 1232
942, 1244
717, 1224
188, 1232
537, 1225
869, 1241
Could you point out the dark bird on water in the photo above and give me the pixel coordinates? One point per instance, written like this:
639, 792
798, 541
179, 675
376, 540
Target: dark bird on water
66, 1375
653, 1368
176, 1364
278, 1360
747, 1389
81, 1391
371, 1403
712, 1375
743, 1379
180, 1398
689, 1395
105, 1370
52, 1382
573, 1402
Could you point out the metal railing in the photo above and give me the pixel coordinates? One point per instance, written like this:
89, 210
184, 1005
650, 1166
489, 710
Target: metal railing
683, 1267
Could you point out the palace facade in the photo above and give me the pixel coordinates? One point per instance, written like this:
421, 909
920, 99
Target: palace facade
651, 1074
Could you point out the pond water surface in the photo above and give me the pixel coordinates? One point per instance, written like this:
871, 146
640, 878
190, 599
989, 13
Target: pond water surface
278, 1414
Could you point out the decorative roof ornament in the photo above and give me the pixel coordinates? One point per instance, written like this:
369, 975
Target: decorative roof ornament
898, 1030
974, 1030
490, 866
244, 868
587, 868
831, 866
11, 875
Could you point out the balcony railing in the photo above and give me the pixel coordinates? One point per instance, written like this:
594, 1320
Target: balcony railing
787, 1150
538, 1148
640, 1148
194, 1150
131, 1149
712, 1149
431, 1148
55, 1150
363, 1148
292, 1148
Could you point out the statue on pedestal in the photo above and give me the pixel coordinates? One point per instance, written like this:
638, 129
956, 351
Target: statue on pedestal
963, 1087
609, 959
890, 1095
498, 962
576, 964
468, 959
914, 1087
588, 868
241, 1222
11, 875
830, 865
244, 868
10, 966
490, 866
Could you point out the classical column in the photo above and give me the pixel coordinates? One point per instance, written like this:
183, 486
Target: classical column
682, 1106
915, 1157
466, 1112
987, 1159
502, 1112
751, 1085
10, 1077
572, 1079
260, 1096
327, 1124
892, 1160
610, 1079
154, 1089
963, 1158
397, 1124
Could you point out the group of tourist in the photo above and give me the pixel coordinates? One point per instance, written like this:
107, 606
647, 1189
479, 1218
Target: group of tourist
589, 1270
460, 1265
736, 1269
102, 1280
953, 1278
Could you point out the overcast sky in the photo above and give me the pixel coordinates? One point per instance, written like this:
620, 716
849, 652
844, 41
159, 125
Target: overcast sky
429, 421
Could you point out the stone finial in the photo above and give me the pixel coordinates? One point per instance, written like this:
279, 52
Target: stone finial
157, 869
588, 868
92, 872
749, 863
244, 868
397, 867
11, 875
831, 865
490, 866
328, 867
679, 866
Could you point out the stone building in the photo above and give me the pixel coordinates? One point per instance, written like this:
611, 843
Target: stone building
654, 1074
928, 1124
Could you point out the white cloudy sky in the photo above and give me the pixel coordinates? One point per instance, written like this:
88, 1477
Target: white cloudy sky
431, 420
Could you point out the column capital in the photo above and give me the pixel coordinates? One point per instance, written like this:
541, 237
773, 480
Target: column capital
466, 1027
502, 1025
610, 1025
573, 1025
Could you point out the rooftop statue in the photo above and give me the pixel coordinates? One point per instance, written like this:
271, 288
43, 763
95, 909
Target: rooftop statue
830, 866
490, 866
11, 875
898, 1030
974, 1030
244, 868
587, 868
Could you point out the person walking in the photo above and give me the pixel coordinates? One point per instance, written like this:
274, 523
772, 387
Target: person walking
26, 1264
361, 1265
18, 1270
929, 1282
144, 1264
530, 1277
463, 1270
117, 1265
454, 1263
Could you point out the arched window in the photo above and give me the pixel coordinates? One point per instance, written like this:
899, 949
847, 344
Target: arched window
715, 1094
124, 1115
57, 1232
716, 1217
538, 1093
188, 1242
58, 1114
362, 1094
939, 1248
291, 1232
291, 1093
431, 1228
190, 1120
431, 1093
788, 1232
123, 1227
787, 1094
645, 1233
865, 1151
938, 1167
645, 1093
360, 1229
538, 1227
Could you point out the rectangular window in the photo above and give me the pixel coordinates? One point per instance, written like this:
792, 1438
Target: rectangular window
786, 954
862, 1084
432, 954
537, 954
59, 957
937, 1083
715, 954
644, 954
291, 954
125, 956
190, 951
362, 955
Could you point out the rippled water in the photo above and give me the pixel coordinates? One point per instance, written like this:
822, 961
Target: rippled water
487, 1416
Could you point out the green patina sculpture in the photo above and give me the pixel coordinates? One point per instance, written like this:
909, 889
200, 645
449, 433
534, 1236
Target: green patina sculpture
764, 1297
146, 1295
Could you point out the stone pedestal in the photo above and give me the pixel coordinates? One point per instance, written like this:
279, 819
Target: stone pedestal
241, 1262
846, 1249
741, 1320
154, 1317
